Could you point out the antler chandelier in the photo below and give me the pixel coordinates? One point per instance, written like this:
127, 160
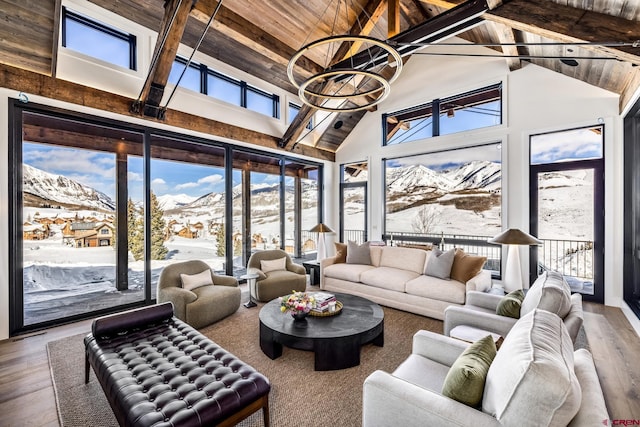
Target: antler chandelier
357, 71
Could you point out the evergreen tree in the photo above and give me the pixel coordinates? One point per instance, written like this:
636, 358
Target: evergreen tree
135, 231
158, 227
220, 240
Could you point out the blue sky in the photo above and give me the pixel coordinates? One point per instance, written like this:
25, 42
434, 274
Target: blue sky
451, 158
97, 170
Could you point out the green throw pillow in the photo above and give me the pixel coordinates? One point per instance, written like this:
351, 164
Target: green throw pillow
510, 304
465, 380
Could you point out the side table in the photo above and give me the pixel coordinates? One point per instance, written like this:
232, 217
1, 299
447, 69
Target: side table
251, 281
313, 269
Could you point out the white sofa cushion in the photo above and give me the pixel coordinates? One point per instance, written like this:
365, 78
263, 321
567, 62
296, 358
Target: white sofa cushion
387, 278
438, 289
531, 382
549, 292
349, 272
403, 258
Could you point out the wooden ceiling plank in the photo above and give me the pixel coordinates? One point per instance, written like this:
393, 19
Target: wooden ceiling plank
62, 90
568, 24
631, 85
250, 35
173, 26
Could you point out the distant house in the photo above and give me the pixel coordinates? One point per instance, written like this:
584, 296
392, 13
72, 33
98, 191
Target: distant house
88, 234
35, 231
188, 232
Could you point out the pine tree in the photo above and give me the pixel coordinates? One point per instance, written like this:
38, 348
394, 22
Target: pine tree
158, 226
220, 240
135, 231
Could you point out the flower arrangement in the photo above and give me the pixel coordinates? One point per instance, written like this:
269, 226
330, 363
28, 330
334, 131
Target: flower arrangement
297, 302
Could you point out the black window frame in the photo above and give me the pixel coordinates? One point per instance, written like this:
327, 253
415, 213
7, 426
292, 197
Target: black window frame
131, 39
428, 108
293, 105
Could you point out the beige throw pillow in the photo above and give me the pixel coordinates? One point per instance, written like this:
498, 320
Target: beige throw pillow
192, 281
273, 265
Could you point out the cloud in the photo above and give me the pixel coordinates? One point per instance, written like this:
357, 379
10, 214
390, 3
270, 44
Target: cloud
134, 176
158, 181
211, 179
65, 161
186, 185
451, 158
574, 144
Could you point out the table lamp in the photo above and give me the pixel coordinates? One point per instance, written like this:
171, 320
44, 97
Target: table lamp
513, 237
321, 229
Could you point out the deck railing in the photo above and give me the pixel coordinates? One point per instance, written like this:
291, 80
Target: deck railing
570, 257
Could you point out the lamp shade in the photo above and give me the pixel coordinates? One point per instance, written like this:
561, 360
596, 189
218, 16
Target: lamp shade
514, 236
321, 228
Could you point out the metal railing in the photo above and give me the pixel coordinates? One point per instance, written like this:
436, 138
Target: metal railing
570, 257
354, 236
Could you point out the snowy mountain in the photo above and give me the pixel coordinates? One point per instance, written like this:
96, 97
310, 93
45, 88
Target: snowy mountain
417, 178
476, 175
174, 201
59, 189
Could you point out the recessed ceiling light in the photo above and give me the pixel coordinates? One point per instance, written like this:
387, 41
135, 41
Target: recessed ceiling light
338, 124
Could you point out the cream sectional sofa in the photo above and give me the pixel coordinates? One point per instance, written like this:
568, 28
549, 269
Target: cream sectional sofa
396, 279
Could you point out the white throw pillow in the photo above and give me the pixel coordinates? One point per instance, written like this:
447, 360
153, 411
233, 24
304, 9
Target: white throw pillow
531, 381
273, 265
192, 281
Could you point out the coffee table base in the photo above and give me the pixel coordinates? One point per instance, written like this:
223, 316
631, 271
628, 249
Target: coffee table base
330, 354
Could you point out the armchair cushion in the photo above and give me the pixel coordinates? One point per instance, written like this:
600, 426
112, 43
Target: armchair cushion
531, 381
192, 281
465, 380
273, 265
510, 304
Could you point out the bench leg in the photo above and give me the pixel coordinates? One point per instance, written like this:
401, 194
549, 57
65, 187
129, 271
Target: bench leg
86, 367
265, 411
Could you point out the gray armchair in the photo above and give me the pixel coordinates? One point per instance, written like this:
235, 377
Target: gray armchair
274, 284
201, 306
549, 292
517, 389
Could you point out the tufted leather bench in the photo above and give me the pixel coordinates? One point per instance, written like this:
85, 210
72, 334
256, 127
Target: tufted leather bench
156, 370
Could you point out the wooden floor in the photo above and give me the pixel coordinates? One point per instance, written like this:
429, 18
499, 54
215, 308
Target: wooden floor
27, 399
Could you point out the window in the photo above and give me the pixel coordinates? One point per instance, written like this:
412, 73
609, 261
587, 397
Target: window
98, 40
471, 110
191, 79
127, 214
262, 102
293, 112
353, 202
224, 88
451, 197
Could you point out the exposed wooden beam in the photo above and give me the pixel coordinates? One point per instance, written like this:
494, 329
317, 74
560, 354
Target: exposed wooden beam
56, 36
568, 24
251, 35
176, 14
393, 18
39, 84
631, 85
505, 35
363, 25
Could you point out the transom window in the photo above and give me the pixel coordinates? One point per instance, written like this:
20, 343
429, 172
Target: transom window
200, 78
98, 40
470, 110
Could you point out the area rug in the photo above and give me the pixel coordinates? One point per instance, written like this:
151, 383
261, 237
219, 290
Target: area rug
299, 395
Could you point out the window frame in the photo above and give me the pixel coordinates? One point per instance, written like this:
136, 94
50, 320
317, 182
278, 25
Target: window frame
131, 39
435, 106
294, 106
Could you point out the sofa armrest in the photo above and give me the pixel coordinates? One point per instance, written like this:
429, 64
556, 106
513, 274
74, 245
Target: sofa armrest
324, 263
436, 347
592, 410
224, 280
253, 270
574, 319
484, 300
480, 282
454, 316
390, 401
179, 297
297, 268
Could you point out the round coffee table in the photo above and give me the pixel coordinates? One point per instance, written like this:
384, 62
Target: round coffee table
335, 340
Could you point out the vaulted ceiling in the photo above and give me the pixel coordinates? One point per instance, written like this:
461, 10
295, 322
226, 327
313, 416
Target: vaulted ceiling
260, 38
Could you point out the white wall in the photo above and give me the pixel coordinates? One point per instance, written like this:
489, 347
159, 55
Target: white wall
535, 100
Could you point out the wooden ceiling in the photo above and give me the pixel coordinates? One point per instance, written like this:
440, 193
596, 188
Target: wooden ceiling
260, 38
